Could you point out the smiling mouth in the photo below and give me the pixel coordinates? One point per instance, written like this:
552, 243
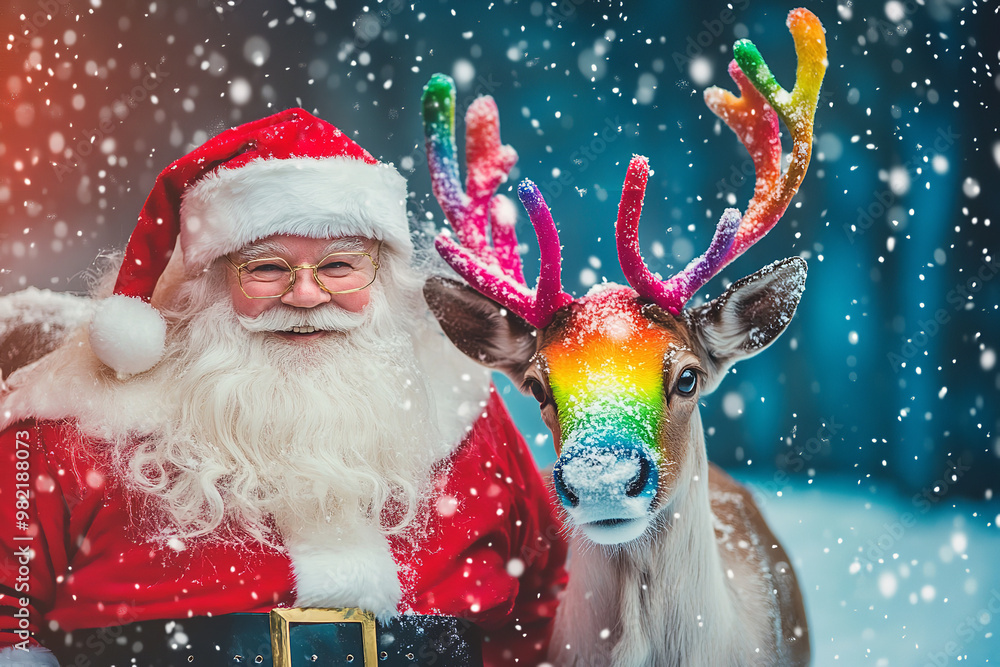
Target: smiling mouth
301, 333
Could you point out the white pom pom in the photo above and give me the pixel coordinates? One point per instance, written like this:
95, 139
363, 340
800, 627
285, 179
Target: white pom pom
127, 334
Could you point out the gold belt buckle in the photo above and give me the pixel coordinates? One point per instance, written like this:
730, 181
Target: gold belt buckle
281, 638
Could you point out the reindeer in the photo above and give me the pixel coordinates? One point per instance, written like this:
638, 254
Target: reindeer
672, 562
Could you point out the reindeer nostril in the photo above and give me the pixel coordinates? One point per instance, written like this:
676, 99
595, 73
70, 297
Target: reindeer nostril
639, 482
562, 488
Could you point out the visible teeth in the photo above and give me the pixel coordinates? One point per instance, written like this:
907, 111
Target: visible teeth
304, 329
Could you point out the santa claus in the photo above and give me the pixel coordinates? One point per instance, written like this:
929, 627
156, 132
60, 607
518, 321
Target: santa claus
260, 449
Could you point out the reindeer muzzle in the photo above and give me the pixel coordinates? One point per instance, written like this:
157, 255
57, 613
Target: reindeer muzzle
607, 489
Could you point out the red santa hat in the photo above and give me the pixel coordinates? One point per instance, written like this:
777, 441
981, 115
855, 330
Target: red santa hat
290, 173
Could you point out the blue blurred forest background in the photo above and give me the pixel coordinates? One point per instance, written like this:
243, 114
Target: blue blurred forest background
887, 379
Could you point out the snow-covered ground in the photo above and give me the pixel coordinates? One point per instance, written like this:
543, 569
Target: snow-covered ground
890, 579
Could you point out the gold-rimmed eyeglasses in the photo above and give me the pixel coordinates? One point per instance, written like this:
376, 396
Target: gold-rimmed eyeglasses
339, 272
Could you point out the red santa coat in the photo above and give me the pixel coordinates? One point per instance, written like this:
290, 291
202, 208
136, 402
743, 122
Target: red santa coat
493, 553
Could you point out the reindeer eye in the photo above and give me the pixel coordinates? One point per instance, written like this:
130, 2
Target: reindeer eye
536, 389
687, 382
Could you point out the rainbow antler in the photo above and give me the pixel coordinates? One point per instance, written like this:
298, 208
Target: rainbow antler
478, 215
752, 117
670, 294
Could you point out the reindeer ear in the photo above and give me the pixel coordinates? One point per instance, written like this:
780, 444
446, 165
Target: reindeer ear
480, 327
748, 317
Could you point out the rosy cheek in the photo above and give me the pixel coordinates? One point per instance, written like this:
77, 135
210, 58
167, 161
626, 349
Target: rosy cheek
354, 302
243, 305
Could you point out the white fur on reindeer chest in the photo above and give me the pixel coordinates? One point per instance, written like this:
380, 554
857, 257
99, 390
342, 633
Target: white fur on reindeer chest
678, 596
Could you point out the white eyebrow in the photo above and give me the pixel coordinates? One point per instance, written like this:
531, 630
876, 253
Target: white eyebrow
277, 249
260, 250
352, 244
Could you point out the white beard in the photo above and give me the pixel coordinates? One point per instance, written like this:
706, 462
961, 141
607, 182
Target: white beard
251, 428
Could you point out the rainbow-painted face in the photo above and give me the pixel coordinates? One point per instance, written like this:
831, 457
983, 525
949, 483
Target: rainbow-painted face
607, 368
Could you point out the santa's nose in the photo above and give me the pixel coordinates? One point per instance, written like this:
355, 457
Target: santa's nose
306, 292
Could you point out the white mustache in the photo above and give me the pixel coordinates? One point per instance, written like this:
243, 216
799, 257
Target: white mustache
325, 318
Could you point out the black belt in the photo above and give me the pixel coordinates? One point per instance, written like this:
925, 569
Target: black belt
283, 638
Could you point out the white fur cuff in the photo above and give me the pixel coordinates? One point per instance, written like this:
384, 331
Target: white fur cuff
353, 569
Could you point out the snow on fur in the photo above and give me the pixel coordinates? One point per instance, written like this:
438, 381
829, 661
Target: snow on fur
33, 322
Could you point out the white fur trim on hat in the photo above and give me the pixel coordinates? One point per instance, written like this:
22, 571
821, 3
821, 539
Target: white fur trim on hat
311, 197
127, 334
